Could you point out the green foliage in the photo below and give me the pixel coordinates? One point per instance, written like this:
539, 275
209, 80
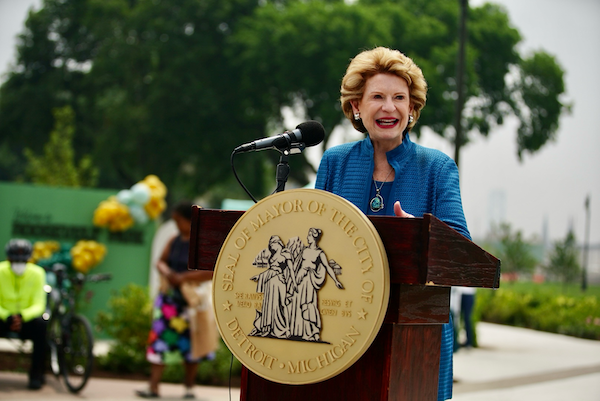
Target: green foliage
537, 109
217, 370
564, 263
170, 88
212, 371
544, 307
124, 359
513, 250
127, 321
56, 167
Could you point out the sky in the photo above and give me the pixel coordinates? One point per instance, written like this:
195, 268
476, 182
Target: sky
549, 187
545, 192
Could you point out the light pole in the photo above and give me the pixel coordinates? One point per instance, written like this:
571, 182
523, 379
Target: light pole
586, 245
460, 75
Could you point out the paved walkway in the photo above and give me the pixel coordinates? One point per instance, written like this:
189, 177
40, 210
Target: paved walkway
511, 364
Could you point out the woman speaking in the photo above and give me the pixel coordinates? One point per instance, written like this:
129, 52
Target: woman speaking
382, 94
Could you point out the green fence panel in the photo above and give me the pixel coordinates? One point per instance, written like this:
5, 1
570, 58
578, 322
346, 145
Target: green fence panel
41, 213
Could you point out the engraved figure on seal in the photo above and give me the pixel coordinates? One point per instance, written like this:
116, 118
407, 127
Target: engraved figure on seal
290, 288
272, 319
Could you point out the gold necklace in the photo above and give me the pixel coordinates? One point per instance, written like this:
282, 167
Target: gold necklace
376, 203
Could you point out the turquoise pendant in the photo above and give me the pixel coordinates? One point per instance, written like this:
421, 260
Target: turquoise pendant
376, 203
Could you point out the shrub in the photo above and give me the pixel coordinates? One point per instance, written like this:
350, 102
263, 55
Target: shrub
217, 370
541, 307
128, 322
214, 370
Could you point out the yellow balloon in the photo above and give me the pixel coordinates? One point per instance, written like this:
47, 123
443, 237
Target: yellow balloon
157, 188
87, 254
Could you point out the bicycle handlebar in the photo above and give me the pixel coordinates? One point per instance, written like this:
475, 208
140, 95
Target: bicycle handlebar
60, 270
94, 278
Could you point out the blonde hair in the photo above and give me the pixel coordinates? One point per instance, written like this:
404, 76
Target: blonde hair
381, 60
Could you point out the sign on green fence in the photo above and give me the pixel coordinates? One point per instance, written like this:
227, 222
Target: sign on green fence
65, 215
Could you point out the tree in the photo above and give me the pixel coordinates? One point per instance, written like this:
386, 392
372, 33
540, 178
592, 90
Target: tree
56, 167
322, 37
514, 251
564, 260
151, 88
170, 88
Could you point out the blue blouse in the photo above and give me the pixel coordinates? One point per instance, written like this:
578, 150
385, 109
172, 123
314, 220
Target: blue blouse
426, 181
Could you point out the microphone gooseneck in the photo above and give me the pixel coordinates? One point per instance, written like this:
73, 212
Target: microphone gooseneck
306, 134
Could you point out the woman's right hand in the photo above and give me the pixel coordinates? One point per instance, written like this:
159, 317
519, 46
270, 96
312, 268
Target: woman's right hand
399, 212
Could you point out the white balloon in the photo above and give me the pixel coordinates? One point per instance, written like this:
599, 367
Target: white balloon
139, 214
140, 193
125, 196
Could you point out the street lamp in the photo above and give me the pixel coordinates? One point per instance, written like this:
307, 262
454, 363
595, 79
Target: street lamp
586, 244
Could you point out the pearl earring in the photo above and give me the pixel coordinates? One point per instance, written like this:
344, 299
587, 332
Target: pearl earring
410, 119
357, 116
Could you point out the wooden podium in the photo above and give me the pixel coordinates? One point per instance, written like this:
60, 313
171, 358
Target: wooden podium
426, 258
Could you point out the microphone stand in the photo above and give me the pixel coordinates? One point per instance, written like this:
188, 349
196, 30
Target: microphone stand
283, 167
283, 171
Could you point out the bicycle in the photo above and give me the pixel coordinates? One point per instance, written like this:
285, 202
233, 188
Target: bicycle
70, 336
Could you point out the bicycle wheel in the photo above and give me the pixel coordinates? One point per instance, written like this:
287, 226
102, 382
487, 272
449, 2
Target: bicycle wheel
76, 355
54, 331
54, 343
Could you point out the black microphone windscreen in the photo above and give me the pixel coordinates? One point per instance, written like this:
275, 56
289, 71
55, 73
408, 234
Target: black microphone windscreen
312, 132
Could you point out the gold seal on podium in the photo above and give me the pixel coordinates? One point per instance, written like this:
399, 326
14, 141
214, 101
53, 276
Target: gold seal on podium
301, 286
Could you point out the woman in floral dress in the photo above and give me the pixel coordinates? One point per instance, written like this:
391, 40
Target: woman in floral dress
169, 339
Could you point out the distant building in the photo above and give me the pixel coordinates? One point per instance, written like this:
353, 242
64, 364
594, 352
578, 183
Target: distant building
496, 208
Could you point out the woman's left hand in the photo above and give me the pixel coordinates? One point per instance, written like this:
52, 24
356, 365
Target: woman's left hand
399, 212
175, 279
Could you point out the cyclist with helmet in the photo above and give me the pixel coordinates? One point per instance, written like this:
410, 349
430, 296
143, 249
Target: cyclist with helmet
22, 303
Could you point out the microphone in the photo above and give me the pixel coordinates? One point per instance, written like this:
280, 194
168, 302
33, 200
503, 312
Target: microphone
308, 133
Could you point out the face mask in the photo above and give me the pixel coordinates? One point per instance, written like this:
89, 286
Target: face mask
18, 267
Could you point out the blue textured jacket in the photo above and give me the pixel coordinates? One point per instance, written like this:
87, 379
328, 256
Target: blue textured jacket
426, 181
